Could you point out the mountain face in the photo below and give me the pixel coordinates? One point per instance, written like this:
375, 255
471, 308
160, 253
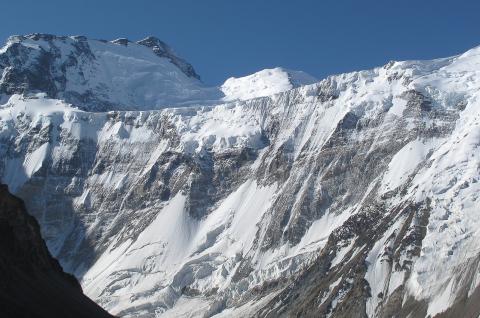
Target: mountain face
97, 75
352, 197
32, 282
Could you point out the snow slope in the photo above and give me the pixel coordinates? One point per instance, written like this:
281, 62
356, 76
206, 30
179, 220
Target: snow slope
353, 196
264, 83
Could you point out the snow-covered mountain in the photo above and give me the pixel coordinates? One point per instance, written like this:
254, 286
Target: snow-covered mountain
352, 197
264, 83
97, 75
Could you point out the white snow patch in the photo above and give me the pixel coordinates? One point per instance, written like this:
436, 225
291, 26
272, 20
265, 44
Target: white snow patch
264, 83
404, 163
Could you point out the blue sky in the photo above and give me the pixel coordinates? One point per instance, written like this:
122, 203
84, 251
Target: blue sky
223, 38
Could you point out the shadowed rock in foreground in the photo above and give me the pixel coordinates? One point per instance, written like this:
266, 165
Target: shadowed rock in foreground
32, 283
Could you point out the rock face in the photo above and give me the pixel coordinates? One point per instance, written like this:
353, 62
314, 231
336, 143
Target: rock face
161, 49
352, 197
32, 282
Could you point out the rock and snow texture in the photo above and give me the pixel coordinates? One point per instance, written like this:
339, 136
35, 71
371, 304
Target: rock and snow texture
32, 283
264, 83
356, 196
97, 75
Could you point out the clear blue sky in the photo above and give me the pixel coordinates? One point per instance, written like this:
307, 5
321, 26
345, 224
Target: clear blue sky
223, 38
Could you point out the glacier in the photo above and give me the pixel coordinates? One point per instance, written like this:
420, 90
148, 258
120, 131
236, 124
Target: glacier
271, 195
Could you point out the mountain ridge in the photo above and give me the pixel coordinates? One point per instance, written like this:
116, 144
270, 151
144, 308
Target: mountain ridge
100, 75
352, 196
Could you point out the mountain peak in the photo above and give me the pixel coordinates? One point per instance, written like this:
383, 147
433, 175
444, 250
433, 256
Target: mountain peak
264, 83
161, 49
99, 75
121, 41
152, 41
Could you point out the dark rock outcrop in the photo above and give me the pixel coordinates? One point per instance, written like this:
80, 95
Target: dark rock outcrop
163, 50
32, 282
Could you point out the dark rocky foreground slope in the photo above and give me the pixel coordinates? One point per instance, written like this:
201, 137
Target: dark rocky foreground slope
32, 283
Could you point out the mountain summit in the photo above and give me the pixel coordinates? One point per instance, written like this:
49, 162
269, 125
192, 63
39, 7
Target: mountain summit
97, 75
264, 83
